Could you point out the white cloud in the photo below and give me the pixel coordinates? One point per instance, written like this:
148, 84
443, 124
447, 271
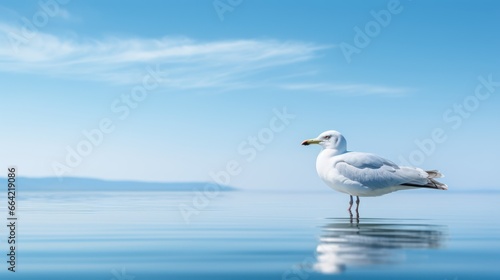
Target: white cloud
187, 63
350, 89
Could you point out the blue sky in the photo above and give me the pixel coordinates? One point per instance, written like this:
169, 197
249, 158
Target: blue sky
220, 76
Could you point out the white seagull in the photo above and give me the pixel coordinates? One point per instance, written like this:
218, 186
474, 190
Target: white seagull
363, 174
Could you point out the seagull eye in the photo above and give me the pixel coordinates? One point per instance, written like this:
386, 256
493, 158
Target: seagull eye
327, 137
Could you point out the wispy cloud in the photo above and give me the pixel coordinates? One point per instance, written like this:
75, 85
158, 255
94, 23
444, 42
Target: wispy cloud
348, 89
186, 63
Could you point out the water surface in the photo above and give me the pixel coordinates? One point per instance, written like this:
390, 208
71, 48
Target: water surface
255, 235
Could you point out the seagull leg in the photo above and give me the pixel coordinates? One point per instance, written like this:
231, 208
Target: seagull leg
357, 206
349, 209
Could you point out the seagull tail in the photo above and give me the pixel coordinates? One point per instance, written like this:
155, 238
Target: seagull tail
437, 185
434, 174
431, 182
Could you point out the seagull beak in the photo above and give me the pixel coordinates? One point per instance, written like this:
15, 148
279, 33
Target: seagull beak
310, 141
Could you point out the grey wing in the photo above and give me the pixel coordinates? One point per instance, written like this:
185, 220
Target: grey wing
376, 172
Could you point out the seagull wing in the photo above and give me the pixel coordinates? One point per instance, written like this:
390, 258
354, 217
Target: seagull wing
376, 172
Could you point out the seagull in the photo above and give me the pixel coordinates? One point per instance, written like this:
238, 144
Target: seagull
364, 174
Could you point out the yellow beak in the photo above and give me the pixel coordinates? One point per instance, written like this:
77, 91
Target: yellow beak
310, 141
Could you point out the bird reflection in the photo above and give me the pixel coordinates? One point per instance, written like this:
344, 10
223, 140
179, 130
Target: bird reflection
344, 244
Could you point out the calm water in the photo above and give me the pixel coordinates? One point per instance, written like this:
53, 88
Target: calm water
255, 235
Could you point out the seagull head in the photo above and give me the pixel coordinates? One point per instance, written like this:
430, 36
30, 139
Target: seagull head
330, 139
